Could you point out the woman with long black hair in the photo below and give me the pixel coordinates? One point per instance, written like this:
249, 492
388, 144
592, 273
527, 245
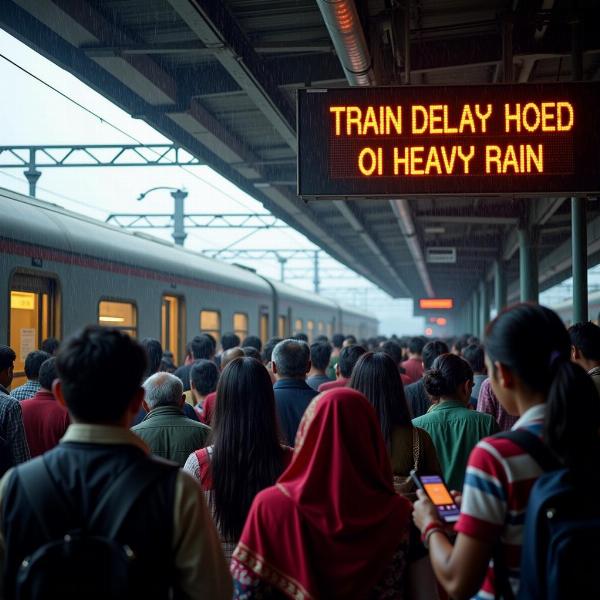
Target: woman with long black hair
376, 376
528, 358
246, 455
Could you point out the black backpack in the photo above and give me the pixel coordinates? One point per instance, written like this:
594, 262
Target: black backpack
86, 562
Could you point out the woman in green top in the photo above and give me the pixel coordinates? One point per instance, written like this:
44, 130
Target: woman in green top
377, 377
454, 428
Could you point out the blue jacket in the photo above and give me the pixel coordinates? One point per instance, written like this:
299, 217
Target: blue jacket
292, 396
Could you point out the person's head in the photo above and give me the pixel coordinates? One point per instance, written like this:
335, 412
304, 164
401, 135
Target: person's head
300, 336
213, 341
450, 378
349, 340
201, 346
100, 373
348, 358
204, 375
163, 389
337, 340
431, 351
320, 354
7, 362
252, 352
376, 376
528, 353
50, 345
475, 356
291, 359
48, 373
254, 341
230, 340
393, 350
247, 456
154, 354
268, 348
167, 363
33, 362
585, 344
460, 344
229, 355
415, 346
322, 338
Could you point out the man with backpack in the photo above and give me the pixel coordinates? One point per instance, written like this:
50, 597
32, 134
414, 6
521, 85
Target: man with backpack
97, 516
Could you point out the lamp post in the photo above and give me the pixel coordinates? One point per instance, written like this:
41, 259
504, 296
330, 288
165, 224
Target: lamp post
179, 196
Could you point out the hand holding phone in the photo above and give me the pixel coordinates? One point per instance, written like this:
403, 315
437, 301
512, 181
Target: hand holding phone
439, 494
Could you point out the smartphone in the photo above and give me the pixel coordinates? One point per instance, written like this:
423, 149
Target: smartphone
438, 493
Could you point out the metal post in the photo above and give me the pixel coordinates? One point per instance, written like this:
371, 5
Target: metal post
32, 174
475, 313
179, 233
484, 306
282, 262
507, 50
316, 272
500, 295
528, 272
578, 205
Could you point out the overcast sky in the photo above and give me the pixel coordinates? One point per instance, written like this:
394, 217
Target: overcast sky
33, 114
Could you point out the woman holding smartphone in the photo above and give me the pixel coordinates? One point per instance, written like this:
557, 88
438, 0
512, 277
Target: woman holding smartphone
527, 356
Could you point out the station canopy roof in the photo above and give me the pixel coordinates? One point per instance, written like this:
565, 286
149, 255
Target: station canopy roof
219, 78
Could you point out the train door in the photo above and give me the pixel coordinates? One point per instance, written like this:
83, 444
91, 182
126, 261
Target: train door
33, 317
264, 324
282, 326
172, 326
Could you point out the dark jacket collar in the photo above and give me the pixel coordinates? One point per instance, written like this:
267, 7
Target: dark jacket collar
298, 384
173, 411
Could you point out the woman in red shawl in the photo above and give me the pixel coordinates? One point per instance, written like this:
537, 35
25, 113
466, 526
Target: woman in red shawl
332, 526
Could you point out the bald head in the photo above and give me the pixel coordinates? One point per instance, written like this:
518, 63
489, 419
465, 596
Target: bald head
163, 389
229, 355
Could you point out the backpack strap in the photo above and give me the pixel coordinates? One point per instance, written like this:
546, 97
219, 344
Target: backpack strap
123, 492
44, 498
533, 445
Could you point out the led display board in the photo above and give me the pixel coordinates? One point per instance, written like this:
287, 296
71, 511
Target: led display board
515, 140
436, 303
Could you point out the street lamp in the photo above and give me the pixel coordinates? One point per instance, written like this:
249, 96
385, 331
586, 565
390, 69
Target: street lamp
179, 196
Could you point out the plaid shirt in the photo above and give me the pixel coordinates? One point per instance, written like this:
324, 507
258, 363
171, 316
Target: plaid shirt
27, 390
11, 427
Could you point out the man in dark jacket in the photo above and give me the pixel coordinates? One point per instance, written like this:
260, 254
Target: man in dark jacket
168, 432
290, 363
168, 529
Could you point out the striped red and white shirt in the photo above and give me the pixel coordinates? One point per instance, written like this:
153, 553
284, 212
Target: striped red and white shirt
499, 478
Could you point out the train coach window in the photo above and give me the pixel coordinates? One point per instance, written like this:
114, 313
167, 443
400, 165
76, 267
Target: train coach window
282, 328
321, 327
240, 324
118, 314
32, 317
310, 329
172, 325
330, 330
210, 322
264, 324
299, 326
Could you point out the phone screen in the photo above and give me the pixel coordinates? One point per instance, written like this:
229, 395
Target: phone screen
438, 493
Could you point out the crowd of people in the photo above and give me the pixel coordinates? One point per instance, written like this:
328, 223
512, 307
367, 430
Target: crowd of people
284, 469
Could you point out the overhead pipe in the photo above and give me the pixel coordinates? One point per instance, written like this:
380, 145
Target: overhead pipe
346, 32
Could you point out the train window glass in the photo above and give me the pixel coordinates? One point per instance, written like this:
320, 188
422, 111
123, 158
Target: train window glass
264, 326
240, 325
171, 326
32, 310
282, 326
210, 322
330, 331
119, 314
299, 326
310, 329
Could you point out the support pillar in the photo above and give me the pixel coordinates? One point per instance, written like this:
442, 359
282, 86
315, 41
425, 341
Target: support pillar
282, 262
500, 293
579, 259
316, 280
32, 174
484, 307
179, 233
528, 268
476, 313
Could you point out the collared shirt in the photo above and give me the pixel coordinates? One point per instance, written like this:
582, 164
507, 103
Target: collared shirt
336, 383
27, 390
316, 380
11, 427
45, 421
292, 396
413, 368
488, 403
200, 567
454, 430
500, 475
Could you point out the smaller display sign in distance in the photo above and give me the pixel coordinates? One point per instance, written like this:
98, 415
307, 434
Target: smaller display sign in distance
514, 140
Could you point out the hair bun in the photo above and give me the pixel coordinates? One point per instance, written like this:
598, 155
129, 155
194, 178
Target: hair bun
435, 383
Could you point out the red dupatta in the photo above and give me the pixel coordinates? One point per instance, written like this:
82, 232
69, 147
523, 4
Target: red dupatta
332, 523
